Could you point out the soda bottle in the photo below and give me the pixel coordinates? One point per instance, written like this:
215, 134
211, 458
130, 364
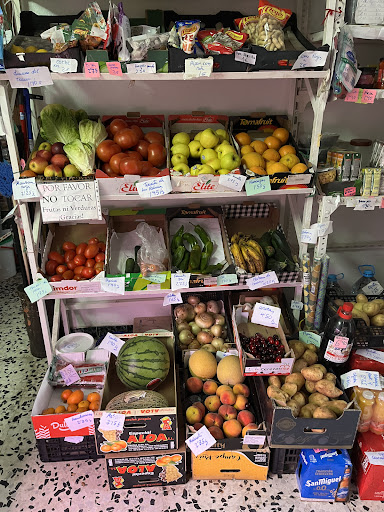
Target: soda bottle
366, 401
333, 287
337, 341
367, 276
343, 489
377, 420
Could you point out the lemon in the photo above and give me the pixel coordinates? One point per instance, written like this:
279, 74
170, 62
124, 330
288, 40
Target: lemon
31, 49
41, 51
17, 49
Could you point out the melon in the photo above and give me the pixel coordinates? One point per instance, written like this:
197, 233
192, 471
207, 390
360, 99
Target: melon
202, 364
142, 363
141, 399
229, 371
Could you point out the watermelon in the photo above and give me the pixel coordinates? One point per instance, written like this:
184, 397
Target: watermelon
142, 363
141, 399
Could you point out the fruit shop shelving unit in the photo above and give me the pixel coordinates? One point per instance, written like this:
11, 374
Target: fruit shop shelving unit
290, 83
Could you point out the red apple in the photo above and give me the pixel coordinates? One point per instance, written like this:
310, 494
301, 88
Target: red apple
57, 148
60, 160
43, 153
71, 171
38, 165
53, 171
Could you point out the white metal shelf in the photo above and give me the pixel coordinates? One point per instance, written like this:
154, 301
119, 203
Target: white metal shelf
369, 32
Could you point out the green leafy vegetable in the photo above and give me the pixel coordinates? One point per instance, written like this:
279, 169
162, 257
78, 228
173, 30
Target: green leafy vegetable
92, 132
58, 125
78, 115
81, 155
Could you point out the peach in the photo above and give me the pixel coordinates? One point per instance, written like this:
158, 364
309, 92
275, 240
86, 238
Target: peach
222, 388
213, 420
194, 385
241, 402
197, 426
193, 415
216, 432
227, 412
245, 417
200, 406
212, 403
232, 428
241, 389
227, 397
210, 387
250, 426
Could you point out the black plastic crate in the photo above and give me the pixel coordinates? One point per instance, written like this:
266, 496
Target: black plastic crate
58, 450
284, 461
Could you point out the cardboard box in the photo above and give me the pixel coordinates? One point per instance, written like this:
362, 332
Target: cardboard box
144, 429
369, 466
192, 124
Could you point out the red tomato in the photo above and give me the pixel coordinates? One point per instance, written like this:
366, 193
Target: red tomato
135, 155
156, 154
99, 267
142, 148
77, 278
68, 274
93, 240
55, 256
88, 272
100, 257
101, 246
107, 169
71, 264
69, 246
91, 251
126, 138
81, 248
78, 270
153, 171
69, 255
106, 149
79, 259
138, 131
130, 166
117, 125
154, 137
50, 267
115, 162
56, 278
61, 269
90, 262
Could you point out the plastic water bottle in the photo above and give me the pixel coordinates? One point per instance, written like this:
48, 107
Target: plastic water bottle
333, 286
367, 276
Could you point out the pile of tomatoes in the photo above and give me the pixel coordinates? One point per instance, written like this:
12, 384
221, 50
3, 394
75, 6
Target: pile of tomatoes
130, 151
79, 262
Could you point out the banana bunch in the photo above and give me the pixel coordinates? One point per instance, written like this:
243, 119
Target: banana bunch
247, 253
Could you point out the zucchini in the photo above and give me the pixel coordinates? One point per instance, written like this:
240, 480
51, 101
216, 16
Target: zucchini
265, 243
277, 266
279, 241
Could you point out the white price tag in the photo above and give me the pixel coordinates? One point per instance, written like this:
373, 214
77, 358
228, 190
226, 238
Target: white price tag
306, 278
364, 204
309, 236
373, 288
69, 375
140, 68
375, 458
198, 67
172, 298
299, 179
29, 77
112, 344
179, 281
25, 188
254, 439
64, 65
263, 314
248, 58
375, 355
157, 278
79, 421
112, 421
200, 441
155, 187
323, 228
224, 279
113, 285
297, 304
362, 379
38, 290
310, 337
233, 181
310, 59
74, 439
262, 280
350, 379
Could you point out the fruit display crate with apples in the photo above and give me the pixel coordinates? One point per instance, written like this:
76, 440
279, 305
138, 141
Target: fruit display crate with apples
201, 150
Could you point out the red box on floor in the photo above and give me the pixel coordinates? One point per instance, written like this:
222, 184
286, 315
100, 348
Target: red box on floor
369, 466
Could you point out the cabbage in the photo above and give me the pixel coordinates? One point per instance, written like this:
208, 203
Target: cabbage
58, 125
92, 132
81, 155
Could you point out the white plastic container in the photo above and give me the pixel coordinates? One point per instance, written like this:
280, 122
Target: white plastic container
72, 347
7, 257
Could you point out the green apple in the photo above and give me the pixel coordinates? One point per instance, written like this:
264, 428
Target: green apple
207, 154
195, 148
178, 158
230, 161
71, 171
221, 145
180, 149
224, 171
205, 169
225, 150
182, 167
197, 136
195, 169
181, 138
209, 139
45, 146
222, 134
214, 163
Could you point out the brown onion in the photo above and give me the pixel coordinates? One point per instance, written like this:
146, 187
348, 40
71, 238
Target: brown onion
193, 300
181, 312
194, 328
218, 343
204, 338
204, 320
213, 307
216, 330
200, 308
183, 326
219, 320
186, 337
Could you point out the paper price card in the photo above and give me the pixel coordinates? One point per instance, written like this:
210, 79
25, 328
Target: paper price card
263, 314
91, 69
310, 337
29, 77
254, 439
262, 280
297, 304
79, 421
112, 344
201, 441
112, 421
224, 279
114, 68
362, 379
113, 285
350, 379
172, 298
352, 96
373, 288
198, 67
154, 188
255, 186
310, 59
299, 179
349, 191
309, 236
157, 278
141, 67
63, 65
69, 375
38, 290
25, 188
179, 281
369, 96
248, 58
365, 204
233, 181
375, 355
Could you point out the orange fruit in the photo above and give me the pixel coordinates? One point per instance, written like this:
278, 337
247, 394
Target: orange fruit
259, 146
105, 448
72, 408
116, 447
176, 458
299, 168
75, 397
258, 170
94, 406
243, 138
277, 167
60, 409
286, 150
92, 397
82, 409
282, 134
65, 394
253, 160
122, 444
50, 410
246, 149
289, 160
271, 154
83, 403
269, 163
273, 142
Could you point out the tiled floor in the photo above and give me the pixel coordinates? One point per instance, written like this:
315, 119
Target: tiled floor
26, 484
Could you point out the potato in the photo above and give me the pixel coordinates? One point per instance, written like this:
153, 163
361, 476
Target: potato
295, 407
378, 320
280, 397
380, 302
338, 302
312, 374
324, 413
310, 386
371, 309
300, 398
289, 388
331, 377
271, 389
310, 356
359, 306
328, 388
356, 313
295, 378
299, 365
337, 406
307, 411
274, 381
361, 298
298, 348
317, 399
311, 346
321, 366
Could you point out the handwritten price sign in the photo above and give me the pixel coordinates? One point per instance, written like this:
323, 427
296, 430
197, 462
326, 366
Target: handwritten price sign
263, 314
201, 441
69, 375
262, 280
79, 421
113, 285
172, 298
91, 69
112, 344
112, 421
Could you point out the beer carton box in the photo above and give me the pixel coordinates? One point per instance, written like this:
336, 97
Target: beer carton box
324, 475
369, 466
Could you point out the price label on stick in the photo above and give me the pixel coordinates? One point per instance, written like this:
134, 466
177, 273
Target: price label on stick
112, 421
172, 298
201, 441
310, 337
69, 375
309, 236
79, 421
112, 344
263, 314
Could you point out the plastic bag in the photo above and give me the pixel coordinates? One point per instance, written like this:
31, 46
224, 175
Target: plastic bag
221, 42
153, 254
346, 74
248, 25
270, 33
123, 33
141, 44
